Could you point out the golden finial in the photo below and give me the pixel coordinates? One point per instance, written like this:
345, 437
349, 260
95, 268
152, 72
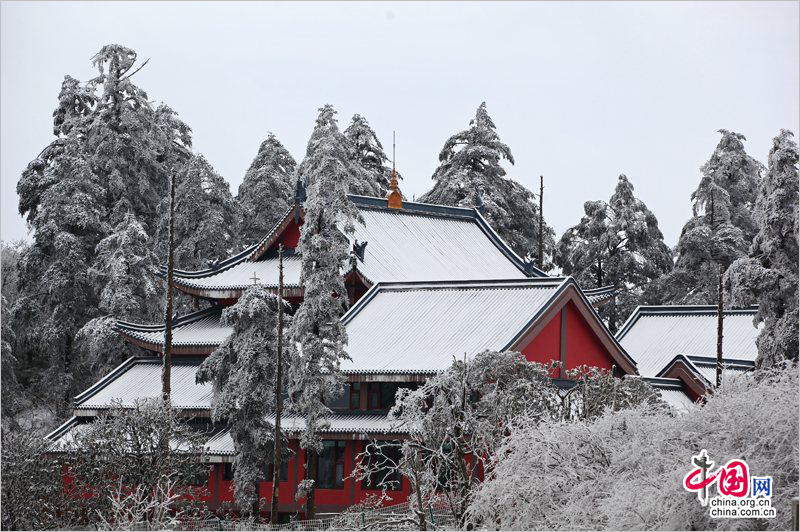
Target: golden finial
394, 200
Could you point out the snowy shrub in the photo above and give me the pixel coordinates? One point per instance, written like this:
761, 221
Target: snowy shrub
625, 469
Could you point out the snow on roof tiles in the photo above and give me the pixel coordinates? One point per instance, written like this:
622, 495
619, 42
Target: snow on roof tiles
419, 327
406, 245
240, 276
419, 242
356, 424
201, 328
654, 336
140, 378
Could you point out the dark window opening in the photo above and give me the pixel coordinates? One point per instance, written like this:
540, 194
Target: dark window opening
227, 472
383, 458
355, 396
341, 402
330, 466
284, 474
374, 402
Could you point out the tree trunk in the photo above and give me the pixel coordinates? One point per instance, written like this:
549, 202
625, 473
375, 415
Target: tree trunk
276, 460
254, 513
423, 522
312, 459
599, 273
540, 254
720, 317
166, 372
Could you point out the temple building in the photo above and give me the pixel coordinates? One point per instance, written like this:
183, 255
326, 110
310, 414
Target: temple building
675, 347
426, 283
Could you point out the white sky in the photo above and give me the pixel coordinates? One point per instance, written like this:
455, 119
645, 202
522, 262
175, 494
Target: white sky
581, 92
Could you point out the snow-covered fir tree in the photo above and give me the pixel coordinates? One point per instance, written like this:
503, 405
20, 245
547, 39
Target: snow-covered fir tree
8, 373
730, 172
55, 294
720, 230
616, 243
770, 274
242, 371
368, 152
470, 165
111, 161
206, 217
319, 337
266, 192
124, 267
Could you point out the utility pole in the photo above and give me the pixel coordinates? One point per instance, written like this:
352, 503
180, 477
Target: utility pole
276, 461
541, 223
720, 317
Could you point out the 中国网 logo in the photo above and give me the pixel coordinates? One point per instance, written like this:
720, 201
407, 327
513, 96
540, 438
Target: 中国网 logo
739, 494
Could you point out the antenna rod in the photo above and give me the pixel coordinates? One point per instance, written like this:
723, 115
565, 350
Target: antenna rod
393, 149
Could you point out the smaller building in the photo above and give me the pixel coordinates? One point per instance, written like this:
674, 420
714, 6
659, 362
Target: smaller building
675, 347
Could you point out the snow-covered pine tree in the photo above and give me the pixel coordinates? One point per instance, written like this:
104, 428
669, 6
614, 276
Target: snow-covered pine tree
770, 274
112, 158
730, 172
124, 268
616, 243
242, 371
470, 163
720, 229
266, 192
206, 217
64, 203
368, 152
8, 373
319, 338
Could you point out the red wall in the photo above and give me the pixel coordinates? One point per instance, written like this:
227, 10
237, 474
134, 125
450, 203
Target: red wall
583, 345
327, 500
290, 236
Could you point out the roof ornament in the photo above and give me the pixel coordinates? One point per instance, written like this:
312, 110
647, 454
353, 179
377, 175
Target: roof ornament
477, 202
213, 264
299, 198
300, 192
394, 200
358, 249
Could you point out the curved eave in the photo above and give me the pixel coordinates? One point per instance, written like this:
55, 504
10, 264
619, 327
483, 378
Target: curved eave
232, 292
177, 349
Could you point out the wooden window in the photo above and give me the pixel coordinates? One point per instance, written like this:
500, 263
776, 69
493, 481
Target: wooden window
374, 402
355, 396
284, 475
341, 402
330, 466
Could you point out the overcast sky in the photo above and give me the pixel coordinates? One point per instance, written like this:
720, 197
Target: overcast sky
581, 92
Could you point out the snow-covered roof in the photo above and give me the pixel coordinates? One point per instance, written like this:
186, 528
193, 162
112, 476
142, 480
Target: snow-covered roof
673, 393
419, 242
240, 275
220, 442
706, 368
140, 378
199, 329
655, 335
412, 328
403, 328
359, 426
423, 242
